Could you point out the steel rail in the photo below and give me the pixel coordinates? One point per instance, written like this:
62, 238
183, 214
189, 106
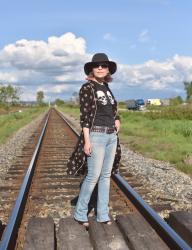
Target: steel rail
171, 238
62, 116
10, 233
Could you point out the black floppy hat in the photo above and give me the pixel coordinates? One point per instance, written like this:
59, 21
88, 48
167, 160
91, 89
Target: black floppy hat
98, 58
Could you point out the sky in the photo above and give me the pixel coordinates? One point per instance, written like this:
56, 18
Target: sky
45, 44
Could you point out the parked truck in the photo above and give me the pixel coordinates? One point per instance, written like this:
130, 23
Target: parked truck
156, 102
133, 104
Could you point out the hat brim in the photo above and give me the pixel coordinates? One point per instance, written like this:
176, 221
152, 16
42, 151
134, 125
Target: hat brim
89, 66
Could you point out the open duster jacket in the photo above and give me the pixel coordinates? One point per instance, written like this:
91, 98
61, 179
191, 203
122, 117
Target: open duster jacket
77, 163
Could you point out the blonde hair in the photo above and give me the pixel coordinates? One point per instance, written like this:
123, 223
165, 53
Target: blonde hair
107, 78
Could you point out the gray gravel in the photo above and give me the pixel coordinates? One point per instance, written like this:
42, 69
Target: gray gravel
163, 180
14, 145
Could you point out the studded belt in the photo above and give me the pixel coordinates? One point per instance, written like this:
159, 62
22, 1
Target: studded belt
103, 129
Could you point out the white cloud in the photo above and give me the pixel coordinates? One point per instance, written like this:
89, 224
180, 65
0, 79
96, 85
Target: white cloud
6, 75
28, 96
144, 36
157, 75
109, 37
47, 60
36, 63
56, 67
55, 88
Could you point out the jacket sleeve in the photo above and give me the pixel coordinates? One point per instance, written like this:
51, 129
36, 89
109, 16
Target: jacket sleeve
84, 101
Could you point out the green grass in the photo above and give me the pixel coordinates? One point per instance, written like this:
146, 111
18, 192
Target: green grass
70, 109
155, 137
179, 112
10, 123
162, 139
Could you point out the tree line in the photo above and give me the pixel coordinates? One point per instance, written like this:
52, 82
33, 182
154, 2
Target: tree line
188, 89
10, 95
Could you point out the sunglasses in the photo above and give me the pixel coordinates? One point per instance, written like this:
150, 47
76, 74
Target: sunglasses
103, 65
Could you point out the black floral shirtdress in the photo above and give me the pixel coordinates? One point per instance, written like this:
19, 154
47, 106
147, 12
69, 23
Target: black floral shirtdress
77, 163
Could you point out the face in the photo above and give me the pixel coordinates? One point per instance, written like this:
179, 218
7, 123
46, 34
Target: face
100, 70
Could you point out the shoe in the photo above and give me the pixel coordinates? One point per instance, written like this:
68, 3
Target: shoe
74, 201
84, 223
108, 222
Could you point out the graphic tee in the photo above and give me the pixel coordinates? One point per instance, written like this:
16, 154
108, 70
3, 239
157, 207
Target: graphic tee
104, 114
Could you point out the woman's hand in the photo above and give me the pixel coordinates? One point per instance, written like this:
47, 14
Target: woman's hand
117, 125
87, 148
87, 145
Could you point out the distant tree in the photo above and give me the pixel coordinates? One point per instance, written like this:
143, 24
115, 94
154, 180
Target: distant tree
59, 102
9, 94
40, 97
188, 88
13, 94
75, 97
121, 103
176, 100
3, 94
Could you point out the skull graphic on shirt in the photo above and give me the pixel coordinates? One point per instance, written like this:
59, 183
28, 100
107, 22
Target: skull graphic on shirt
110, 97
101, 97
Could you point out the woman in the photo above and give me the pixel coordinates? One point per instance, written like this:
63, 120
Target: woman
97, 152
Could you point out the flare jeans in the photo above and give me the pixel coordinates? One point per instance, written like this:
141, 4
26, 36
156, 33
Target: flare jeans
99, 166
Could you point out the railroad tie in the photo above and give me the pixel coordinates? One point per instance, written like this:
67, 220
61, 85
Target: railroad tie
181, 222
40, 234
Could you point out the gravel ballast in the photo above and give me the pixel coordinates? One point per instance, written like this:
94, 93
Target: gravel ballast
162, 179
14, 145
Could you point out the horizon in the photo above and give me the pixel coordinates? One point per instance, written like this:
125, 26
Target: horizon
44, 47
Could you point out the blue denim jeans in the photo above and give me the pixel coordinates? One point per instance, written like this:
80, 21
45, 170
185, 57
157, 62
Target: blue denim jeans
99, 166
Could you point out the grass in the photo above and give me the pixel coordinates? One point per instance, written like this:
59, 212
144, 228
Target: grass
179, 112
8, 109
70, 109
155, 136
162, 139
12, 122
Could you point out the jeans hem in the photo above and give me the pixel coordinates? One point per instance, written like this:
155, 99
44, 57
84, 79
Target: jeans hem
80, 219
103, 220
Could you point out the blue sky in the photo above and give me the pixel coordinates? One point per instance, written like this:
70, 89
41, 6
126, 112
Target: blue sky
149, 39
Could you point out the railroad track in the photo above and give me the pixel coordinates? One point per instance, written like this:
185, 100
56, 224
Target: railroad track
43, 204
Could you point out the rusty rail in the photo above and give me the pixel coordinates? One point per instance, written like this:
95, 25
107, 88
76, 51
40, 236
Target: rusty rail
172, 239
9, 235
